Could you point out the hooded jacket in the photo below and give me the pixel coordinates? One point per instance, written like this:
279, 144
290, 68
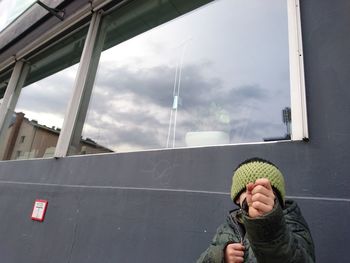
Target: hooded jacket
281, 236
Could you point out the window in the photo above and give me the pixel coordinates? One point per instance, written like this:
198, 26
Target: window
35, 122
160, 74
216, 75
4, 81
18, 154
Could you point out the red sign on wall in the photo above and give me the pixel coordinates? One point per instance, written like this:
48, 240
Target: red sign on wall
39, 210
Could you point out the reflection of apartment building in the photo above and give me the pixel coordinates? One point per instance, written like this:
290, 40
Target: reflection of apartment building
27, 139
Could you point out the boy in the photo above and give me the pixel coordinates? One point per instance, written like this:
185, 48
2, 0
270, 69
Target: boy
267, 228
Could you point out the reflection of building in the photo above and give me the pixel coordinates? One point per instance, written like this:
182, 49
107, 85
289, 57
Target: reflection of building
28, 139
287, 120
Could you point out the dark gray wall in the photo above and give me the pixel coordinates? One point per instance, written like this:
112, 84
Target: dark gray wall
165, 205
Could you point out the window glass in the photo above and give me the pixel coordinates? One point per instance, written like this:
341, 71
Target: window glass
216, 75
4, 80
11, 9
38, 116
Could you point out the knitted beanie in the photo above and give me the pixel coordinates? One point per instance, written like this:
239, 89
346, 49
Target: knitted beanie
250, 171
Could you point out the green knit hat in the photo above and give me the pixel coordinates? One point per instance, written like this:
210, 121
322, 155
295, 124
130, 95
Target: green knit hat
251, 170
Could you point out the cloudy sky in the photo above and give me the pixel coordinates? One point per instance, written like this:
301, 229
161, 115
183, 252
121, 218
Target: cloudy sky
233, 59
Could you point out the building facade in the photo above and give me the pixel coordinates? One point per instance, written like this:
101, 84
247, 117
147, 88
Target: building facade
142, 75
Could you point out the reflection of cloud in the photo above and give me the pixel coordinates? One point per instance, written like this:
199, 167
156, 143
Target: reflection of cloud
233, 71
247, 92
138, 136
132, 108
48, 97
155, 85
44, 118
248, 130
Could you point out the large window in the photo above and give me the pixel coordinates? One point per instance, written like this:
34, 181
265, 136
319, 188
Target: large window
158, 75
216, 75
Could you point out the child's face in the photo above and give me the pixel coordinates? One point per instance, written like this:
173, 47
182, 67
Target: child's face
241, 198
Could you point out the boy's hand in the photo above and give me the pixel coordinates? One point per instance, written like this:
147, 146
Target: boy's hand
260, 198
234, 253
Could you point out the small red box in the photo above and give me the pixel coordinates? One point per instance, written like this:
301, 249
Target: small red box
39, 210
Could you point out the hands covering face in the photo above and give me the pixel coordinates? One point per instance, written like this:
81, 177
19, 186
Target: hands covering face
261, 200
260, 197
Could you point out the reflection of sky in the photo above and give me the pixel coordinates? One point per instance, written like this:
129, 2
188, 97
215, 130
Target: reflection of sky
235, 65
235, 79
46, 100
11, 9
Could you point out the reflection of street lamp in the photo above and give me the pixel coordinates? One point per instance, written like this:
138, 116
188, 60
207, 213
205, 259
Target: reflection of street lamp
287, 119
176, 96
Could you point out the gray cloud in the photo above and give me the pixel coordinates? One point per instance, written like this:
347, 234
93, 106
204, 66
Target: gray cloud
251, 92
155, 85
140, 103
238, 86
50, 95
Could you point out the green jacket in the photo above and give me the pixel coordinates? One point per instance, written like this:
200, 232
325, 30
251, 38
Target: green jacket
282, 236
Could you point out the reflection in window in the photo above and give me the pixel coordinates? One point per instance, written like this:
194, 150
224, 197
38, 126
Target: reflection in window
4, 80
217, 75
35, 125
38, 116
11, 9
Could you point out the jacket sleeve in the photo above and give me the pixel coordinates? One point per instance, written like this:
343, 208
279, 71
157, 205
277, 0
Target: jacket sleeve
275, 238
215, 252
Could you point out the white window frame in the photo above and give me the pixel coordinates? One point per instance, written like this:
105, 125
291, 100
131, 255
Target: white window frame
76, 102
297, 77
